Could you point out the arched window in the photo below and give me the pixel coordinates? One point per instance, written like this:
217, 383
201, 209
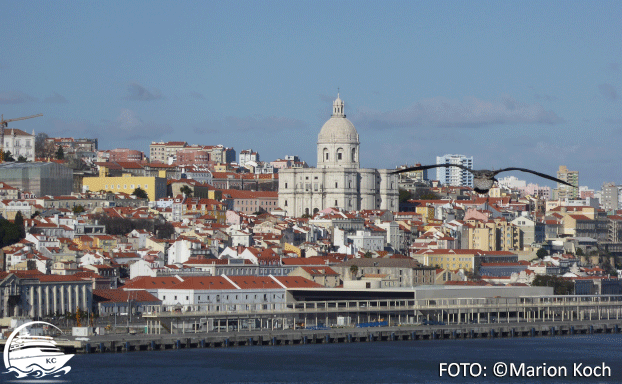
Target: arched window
340, 154
325, 151
315, 210
353, 154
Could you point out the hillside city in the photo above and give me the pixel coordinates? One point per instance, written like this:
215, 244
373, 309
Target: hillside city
117, 231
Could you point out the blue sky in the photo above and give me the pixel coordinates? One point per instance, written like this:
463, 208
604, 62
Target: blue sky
530, 83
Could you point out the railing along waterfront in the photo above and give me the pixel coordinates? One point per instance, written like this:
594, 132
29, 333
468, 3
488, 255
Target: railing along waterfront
513, 304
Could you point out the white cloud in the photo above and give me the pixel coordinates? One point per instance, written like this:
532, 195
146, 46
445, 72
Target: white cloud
608, 91
128, 126
136, 91
471, 112
15, 97
197, 95
250, 124
55, 98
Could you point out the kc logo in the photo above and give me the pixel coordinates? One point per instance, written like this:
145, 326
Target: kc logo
28, 353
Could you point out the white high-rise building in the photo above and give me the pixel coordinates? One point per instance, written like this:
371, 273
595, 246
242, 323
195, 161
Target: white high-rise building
338, 180
455, 176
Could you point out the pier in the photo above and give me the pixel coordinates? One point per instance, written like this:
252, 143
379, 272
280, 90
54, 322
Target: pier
145, 342
451, 311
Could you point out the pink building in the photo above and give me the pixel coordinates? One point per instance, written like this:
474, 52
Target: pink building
193, 156
125, 155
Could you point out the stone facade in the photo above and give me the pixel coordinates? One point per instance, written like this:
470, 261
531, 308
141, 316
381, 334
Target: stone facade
338, 181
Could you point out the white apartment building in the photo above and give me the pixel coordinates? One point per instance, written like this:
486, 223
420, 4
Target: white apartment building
454, 176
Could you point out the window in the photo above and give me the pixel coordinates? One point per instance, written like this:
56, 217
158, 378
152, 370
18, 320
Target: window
339, 156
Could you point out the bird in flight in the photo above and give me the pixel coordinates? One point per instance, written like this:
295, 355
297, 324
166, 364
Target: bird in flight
483, 179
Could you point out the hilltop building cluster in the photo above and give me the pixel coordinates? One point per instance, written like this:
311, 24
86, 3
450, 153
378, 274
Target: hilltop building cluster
188, 228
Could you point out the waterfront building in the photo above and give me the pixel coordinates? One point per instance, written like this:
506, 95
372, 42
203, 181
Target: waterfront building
399, 272
338, 180
31, 293
218, 293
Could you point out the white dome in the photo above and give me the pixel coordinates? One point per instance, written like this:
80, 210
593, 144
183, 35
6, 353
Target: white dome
338, 129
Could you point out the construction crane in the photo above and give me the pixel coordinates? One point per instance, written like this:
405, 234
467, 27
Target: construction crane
4, 124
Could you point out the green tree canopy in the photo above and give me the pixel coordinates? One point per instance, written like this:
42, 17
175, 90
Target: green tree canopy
60, 153
560, 285
21, 159
8, 156
542, 253
186, 190
405, 195
19, 222
140, 193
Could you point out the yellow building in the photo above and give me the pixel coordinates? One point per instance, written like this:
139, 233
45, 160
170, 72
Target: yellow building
449, 259
287, 248
127, 183
427, 213
493, 235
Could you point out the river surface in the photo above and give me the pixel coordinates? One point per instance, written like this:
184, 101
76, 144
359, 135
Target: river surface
372, 362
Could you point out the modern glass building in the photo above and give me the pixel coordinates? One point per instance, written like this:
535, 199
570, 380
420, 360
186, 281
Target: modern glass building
38, 178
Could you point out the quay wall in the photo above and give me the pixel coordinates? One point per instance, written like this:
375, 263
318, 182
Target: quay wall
130, 343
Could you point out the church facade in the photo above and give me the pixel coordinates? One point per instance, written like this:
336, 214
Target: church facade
338, 181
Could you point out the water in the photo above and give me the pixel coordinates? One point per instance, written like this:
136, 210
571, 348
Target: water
377, 362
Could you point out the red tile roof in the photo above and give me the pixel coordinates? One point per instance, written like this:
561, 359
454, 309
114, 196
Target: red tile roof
121, 296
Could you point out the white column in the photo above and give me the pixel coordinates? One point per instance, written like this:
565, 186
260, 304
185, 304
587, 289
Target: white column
84, 299
77, 296
55, 298
62, 299
32, 301
47, 300
69, 299
40, 300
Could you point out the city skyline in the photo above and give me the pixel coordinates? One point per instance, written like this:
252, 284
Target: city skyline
534, 85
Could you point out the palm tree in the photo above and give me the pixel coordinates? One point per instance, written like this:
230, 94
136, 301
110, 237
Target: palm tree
354, 271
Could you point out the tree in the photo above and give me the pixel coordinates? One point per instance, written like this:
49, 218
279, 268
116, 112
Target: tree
354, 270
560, 285
19, 222
78, 209
9, 233
60, 153
404, 195
186, 190
367, 255
425, 195
580, 252
40, 145
8, 156
541, 253
21, 159
140, 193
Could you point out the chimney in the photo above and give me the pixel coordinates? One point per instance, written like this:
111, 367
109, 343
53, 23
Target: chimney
240, 249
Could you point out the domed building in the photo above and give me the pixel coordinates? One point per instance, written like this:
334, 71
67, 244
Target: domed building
338, 181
